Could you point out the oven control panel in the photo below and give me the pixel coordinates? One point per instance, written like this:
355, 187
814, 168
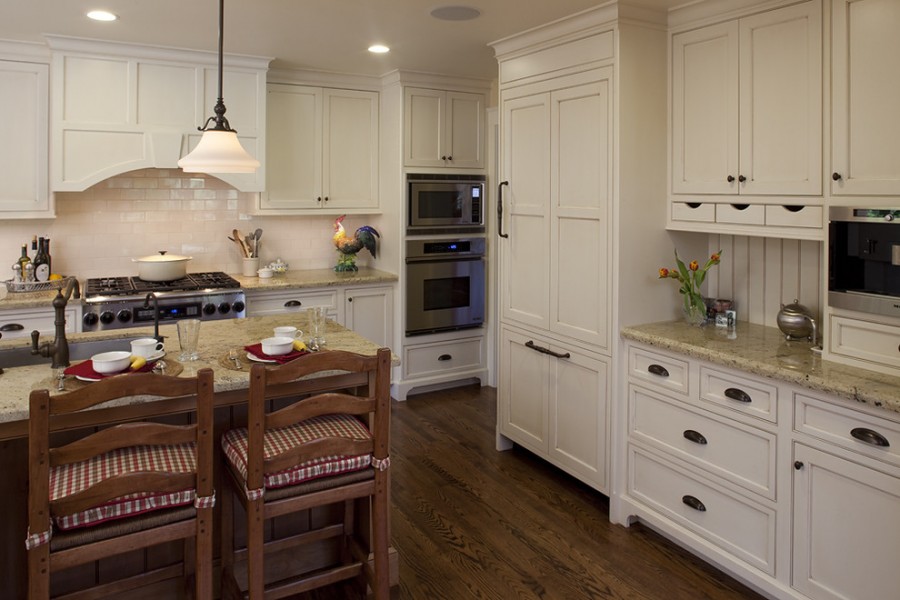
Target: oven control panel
120, 313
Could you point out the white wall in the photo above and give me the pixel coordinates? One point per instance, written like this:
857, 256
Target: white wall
97, 232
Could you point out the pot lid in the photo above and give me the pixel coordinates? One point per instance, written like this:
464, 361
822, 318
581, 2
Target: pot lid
795, 308
162, 257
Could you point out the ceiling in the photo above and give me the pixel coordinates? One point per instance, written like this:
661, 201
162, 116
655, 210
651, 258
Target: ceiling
326, 35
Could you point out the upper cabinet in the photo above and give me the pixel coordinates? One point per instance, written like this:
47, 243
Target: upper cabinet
443, 128
865, 87
747, 105
23, 154
152, 101
322, 150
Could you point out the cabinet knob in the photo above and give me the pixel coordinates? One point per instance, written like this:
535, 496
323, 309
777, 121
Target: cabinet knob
867, 436
349, 299
694, 503
444, 357
12, 327
739, 395
798, 465
449, 158
656, 369
319, 199
741, 178
326, 198
292, 303
730, 179
443, 158
836, 176
694, 436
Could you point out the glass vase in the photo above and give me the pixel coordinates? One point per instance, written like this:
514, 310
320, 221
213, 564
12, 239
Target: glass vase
694, 310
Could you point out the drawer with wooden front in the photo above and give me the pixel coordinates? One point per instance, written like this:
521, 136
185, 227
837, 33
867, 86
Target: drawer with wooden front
742, 395
443, 357
740, 454
739, 526
663, 372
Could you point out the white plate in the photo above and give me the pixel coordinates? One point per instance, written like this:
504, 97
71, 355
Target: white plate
254, 358
156, 356
80, 378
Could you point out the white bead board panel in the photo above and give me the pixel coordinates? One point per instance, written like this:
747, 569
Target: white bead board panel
760, 274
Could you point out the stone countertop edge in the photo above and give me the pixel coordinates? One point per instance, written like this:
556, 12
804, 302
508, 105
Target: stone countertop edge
763, 351
216, 337
312, 278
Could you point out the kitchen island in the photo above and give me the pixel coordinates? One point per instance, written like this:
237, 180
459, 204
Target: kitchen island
216, 339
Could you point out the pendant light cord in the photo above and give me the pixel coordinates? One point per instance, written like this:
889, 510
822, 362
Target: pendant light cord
221, 123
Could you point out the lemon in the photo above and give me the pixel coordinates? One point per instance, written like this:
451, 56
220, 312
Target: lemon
137, 362
299, 346
55, 277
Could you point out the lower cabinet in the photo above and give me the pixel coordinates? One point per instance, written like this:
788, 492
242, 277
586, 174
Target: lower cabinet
20, 322
440, 359
554, 401
369, 311
292, 301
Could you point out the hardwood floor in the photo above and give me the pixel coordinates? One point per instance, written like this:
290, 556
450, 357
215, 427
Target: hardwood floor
471, 522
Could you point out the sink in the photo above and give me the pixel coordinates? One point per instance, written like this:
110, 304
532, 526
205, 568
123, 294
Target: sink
22, 357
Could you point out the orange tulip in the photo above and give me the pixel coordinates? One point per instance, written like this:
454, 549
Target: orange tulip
694, 265
664, 272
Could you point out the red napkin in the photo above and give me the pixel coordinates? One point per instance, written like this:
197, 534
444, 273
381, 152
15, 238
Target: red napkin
256, 350
86, 369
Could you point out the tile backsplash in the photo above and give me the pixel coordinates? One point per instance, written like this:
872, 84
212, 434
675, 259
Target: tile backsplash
98, 232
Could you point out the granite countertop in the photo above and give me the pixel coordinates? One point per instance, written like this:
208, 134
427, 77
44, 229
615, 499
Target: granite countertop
216, 338
763, 351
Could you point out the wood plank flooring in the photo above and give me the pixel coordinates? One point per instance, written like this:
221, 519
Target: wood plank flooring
471, 522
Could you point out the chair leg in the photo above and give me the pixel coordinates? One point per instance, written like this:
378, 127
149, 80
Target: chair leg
226, 523
39, 572
203, 554
380, 542
255, 549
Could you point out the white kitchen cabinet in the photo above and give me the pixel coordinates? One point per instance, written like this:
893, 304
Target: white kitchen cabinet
443, 128
20, 322
152, 101
553, 400
24, 174
261, 303
865, 151
369, 311
747, 105
323, 149
437, 359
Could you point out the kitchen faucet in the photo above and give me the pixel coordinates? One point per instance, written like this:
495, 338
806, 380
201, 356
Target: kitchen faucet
156, 335
59, 348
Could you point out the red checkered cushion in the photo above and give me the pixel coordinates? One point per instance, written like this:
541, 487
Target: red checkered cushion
67, 480
277, 441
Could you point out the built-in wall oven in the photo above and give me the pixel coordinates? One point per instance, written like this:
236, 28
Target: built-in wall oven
864, 260
445, 284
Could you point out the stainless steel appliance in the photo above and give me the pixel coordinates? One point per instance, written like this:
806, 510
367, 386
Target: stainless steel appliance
445, 203
121, 302
445, 285
864, 260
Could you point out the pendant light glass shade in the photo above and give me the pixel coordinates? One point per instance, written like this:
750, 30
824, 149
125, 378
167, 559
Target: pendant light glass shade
219, 150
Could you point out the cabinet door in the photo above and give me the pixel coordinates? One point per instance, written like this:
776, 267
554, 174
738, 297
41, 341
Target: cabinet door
523, 391
464, 130
781, 101
369, 312
579, 408
350, 149
23, 155
865, 88
705, 110
525, 254
424, 128
581, 141
294, 152
846, 529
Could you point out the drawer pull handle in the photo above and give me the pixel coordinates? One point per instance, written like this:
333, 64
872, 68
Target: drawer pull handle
656, 369
292, 303
739, 395
12, 327
694, 503
443, 357
870, 437
542, 350
694, 436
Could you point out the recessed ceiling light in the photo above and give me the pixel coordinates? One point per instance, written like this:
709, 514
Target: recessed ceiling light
378, 49
456, 13
101, 15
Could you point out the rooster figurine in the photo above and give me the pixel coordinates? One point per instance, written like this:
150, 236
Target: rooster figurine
365, 237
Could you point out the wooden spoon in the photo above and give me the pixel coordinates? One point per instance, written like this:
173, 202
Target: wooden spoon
239, 240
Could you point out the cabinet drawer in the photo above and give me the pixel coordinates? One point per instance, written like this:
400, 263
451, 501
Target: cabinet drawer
794, 216
442, 357
738, 393
659, 370
743, 455
740, 527
291, 301
20, 323
741, 214
864, 340
704, 212
860, 432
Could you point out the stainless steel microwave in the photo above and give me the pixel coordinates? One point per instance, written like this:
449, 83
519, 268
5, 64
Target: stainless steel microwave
864, 260
445, 203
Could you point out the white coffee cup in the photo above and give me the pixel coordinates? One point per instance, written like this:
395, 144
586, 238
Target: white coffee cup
288, 331
145, 347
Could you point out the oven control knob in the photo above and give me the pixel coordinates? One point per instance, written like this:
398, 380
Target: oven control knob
889, 217
106, 317
238, 306
209, 309
124, 315
224, 307
90, 319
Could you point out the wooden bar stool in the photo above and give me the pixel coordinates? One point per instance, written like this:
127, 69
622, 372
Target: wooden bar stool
124, 487
317, 451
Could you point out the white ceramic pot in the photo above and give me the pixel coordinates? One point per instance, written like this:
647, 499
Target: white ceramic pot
162, 266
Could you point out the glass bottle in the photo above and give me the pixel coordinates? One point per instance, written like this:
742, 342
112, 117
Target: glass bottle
41, 263
24, 260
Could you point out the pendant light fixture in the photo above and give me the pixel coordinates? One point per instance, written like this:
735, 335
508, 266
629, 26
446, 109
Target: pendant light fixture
219, 150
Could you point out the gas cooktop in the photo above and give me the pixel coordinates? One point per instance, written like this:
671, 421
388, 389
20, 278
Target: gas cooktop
131, 286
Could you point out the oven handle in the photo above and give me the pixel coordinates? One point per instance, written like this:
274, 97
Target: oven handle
439, 258
500, 209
